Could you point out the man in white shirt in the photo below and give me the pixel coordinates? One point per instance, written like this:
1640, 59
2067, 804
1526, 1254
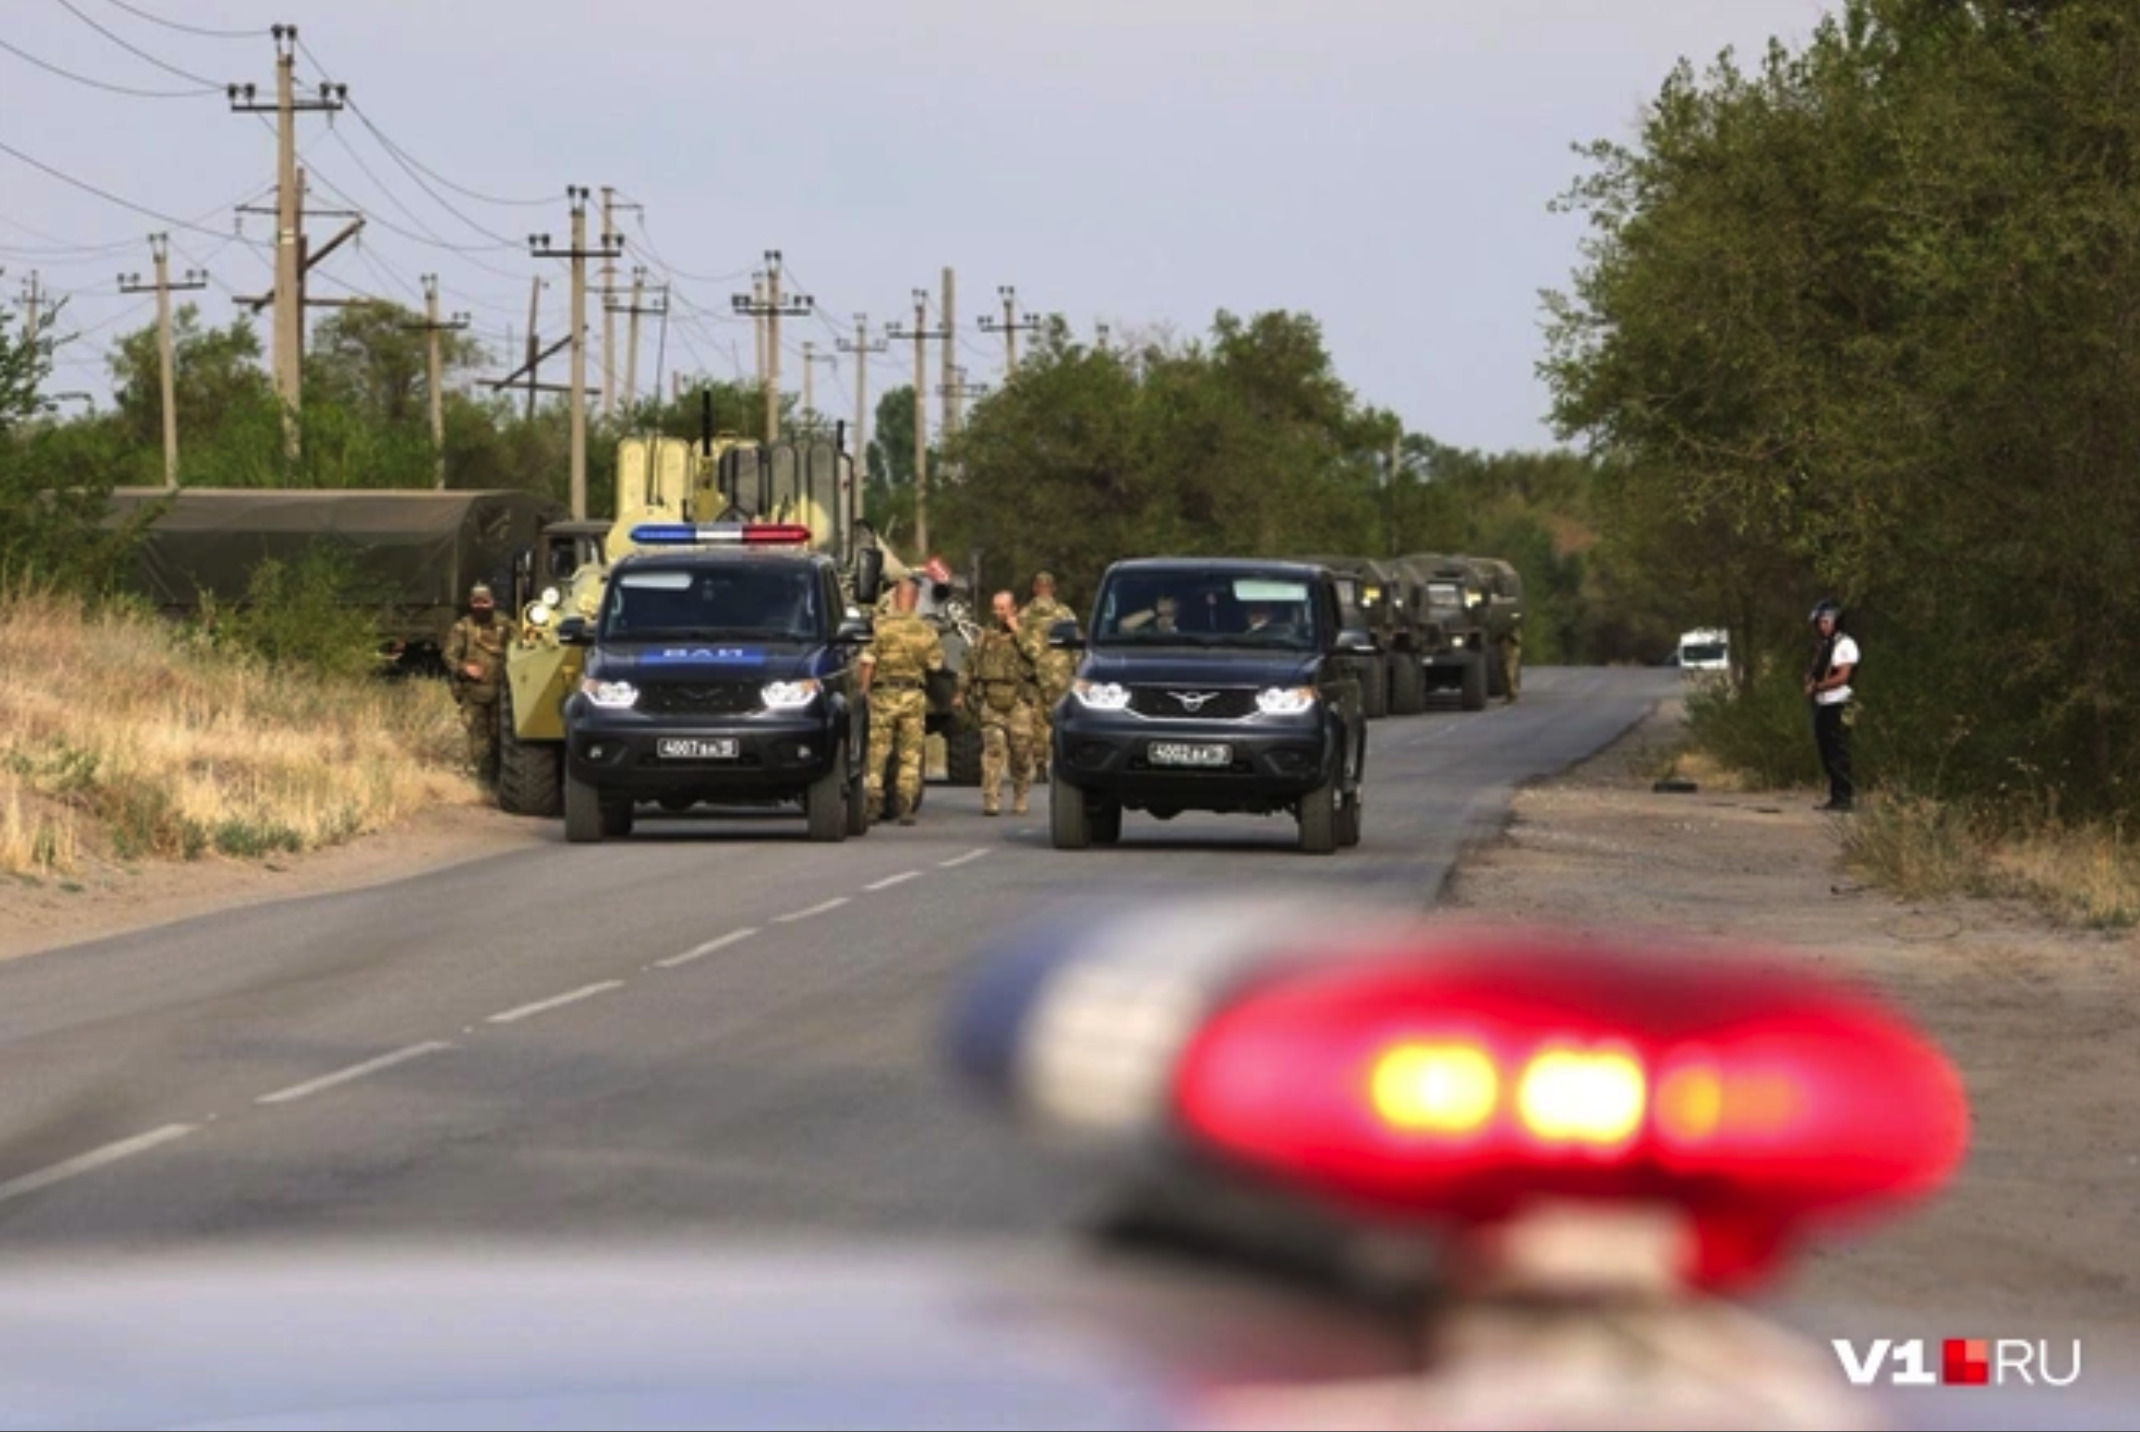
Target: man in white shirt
1828, 683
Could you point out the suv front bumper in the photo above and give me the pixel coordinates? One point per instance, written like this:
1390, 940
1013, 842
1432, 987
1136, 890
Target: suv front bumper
1274, 759
777, 752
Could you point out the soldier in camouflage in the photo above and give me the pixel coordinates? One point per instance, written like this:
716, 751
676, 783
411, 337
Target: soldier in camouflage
1052, 668
895, 669
1001, 689
475, 663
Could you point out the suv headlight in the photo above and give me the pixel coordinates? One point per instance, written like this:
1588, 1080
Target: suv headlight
1102, 695
614, 695
1285, 700
790, 695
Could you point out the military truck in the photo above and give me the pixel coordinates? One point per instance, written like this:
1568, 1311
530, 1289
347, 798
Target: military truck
721, 478
1366, 593
414, 554
1450, 626
1504, 612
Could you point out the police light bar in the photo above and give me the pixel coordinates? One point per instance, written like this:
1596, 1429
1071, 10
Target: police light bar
720, 534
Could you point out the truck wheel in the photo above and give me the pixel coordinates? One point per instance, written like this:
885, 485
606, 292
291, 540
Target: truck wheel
1475, 682
1375, 689
1408, 685
1105, 823
1318, 820
962, 755
530, 773
1496, 678
825, 804
1067, 824
584, 824
1348, 821
858, 805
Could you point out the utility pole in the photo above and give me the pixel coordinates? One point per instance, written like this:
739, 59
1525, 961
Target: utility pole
920, 335
159, 249
579, 253
431, 328
535, 288
960, 388
770, 306
811, 358
33, 297
757, 323
289, 335
951, 325
1010, 328
861, 348
631, 348
610, 206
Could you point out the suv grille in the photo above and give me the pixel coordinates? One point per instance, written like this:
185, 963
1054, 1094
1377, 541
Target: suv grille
698, 698
1227, 703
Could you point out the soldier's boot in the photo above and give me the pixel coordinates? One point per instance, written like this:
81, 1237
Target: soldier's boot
991, 803
903, 808
1018, 805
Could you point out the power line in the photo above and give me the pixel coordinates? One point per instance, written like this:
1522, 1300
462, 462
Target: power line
673, 271
111, 198
132, 49
396, 150
22, 54
188, 29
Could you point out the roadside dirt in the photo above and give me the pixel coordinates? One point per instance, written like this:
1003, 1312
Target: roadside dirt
107, 898
2040, 1234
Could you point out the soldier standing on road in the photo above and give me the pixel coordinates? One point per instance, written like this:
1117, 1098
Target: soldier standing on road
1835, 660
475, 663
1508, 649
895, 670
1051, 667
1002, 690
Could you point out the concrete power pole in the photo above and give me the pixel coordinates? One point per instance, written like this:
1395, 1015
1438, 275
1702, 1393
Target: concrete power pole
33, 297
535, 288
431, 328
951, 325
634, 309
289, 329
757, 323
861, 348
159, 248
920, 335
771, 306
1010, 327
610, 209
579, 253
811, 358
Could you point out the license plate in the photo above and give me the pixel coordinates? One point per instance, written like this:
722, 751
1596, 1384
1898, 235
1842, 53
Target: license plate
691, 748
1184, 753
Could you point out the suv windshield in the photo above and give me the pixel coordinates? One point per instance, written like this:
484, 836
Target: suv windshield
1197, 607
763, 603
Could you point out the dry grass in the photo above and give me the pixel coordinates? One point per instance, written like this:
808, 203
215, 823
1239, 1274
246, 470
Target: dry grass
122, 735
2080, 875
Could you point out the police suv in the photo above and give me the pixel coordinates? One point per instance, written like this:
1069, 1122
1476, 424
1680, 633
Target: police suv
1212, 684
723, 671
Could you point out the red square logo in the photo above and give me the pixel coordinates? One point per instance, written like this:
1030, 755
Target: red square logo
1966, 1361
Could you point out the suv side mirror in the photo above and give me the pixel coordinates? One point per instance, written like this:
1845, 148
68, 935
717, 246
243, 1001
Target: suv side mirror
855, 629
1063, 637
1356, 641
869, 575
573, 631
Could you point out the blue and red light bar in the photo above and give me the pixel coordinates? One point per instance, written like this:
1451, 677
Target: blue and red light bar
718, 534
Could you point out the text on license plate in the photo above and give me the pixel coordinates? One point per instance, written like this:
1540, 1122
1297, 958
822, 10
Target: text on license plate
692, 748
1186, 753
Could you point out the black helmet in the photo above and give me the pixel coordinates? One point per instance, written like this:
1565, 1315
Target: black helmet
1826, 607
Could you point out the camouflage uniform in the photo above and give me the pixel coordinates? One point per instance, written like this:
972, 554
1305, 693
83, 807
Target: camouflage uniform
1509, 649
1052, 668
481, 644
998, 683
904, 651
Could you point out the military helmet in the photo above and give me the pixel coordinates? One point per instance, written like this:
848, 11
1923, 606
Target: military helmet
479, 595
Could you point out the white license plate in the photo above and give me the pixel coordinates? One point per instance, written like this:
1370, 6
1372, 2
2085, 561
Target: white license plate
691, 748
1184, 753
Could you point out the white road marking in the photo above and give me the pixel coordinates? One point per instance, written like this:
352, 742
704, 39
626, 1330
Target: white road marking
898, 879
701, 951
962, 859
832, 904
543, 1005
94, 1159
354, 1071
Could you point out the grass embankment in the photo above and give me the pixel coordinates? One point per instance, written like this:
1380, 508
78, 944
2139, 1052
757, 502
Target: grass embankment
2080, 874
124, 737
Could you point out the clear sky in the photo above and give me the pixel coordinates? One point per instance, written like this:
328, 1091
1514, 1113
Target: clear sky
1383, 164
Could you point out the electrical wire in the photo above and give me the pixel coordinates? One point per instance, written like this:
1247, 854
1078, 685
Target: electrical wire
132, 49
188, 29
105, 85
109, 197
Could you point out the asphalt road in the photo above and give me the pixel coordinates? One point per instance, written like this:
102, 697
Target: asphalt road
713, 1026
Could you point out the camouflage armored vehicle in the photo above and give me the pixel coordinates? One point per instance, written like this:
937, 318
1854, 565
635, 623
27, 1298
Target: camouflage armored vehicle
1449, 625
722, 478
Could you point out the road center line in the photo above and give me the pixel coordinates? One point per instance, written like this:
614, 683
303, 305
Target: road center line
543, 1005
94, 1159
962, 859
699, 952
354, 1071
832, 904
890, 881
